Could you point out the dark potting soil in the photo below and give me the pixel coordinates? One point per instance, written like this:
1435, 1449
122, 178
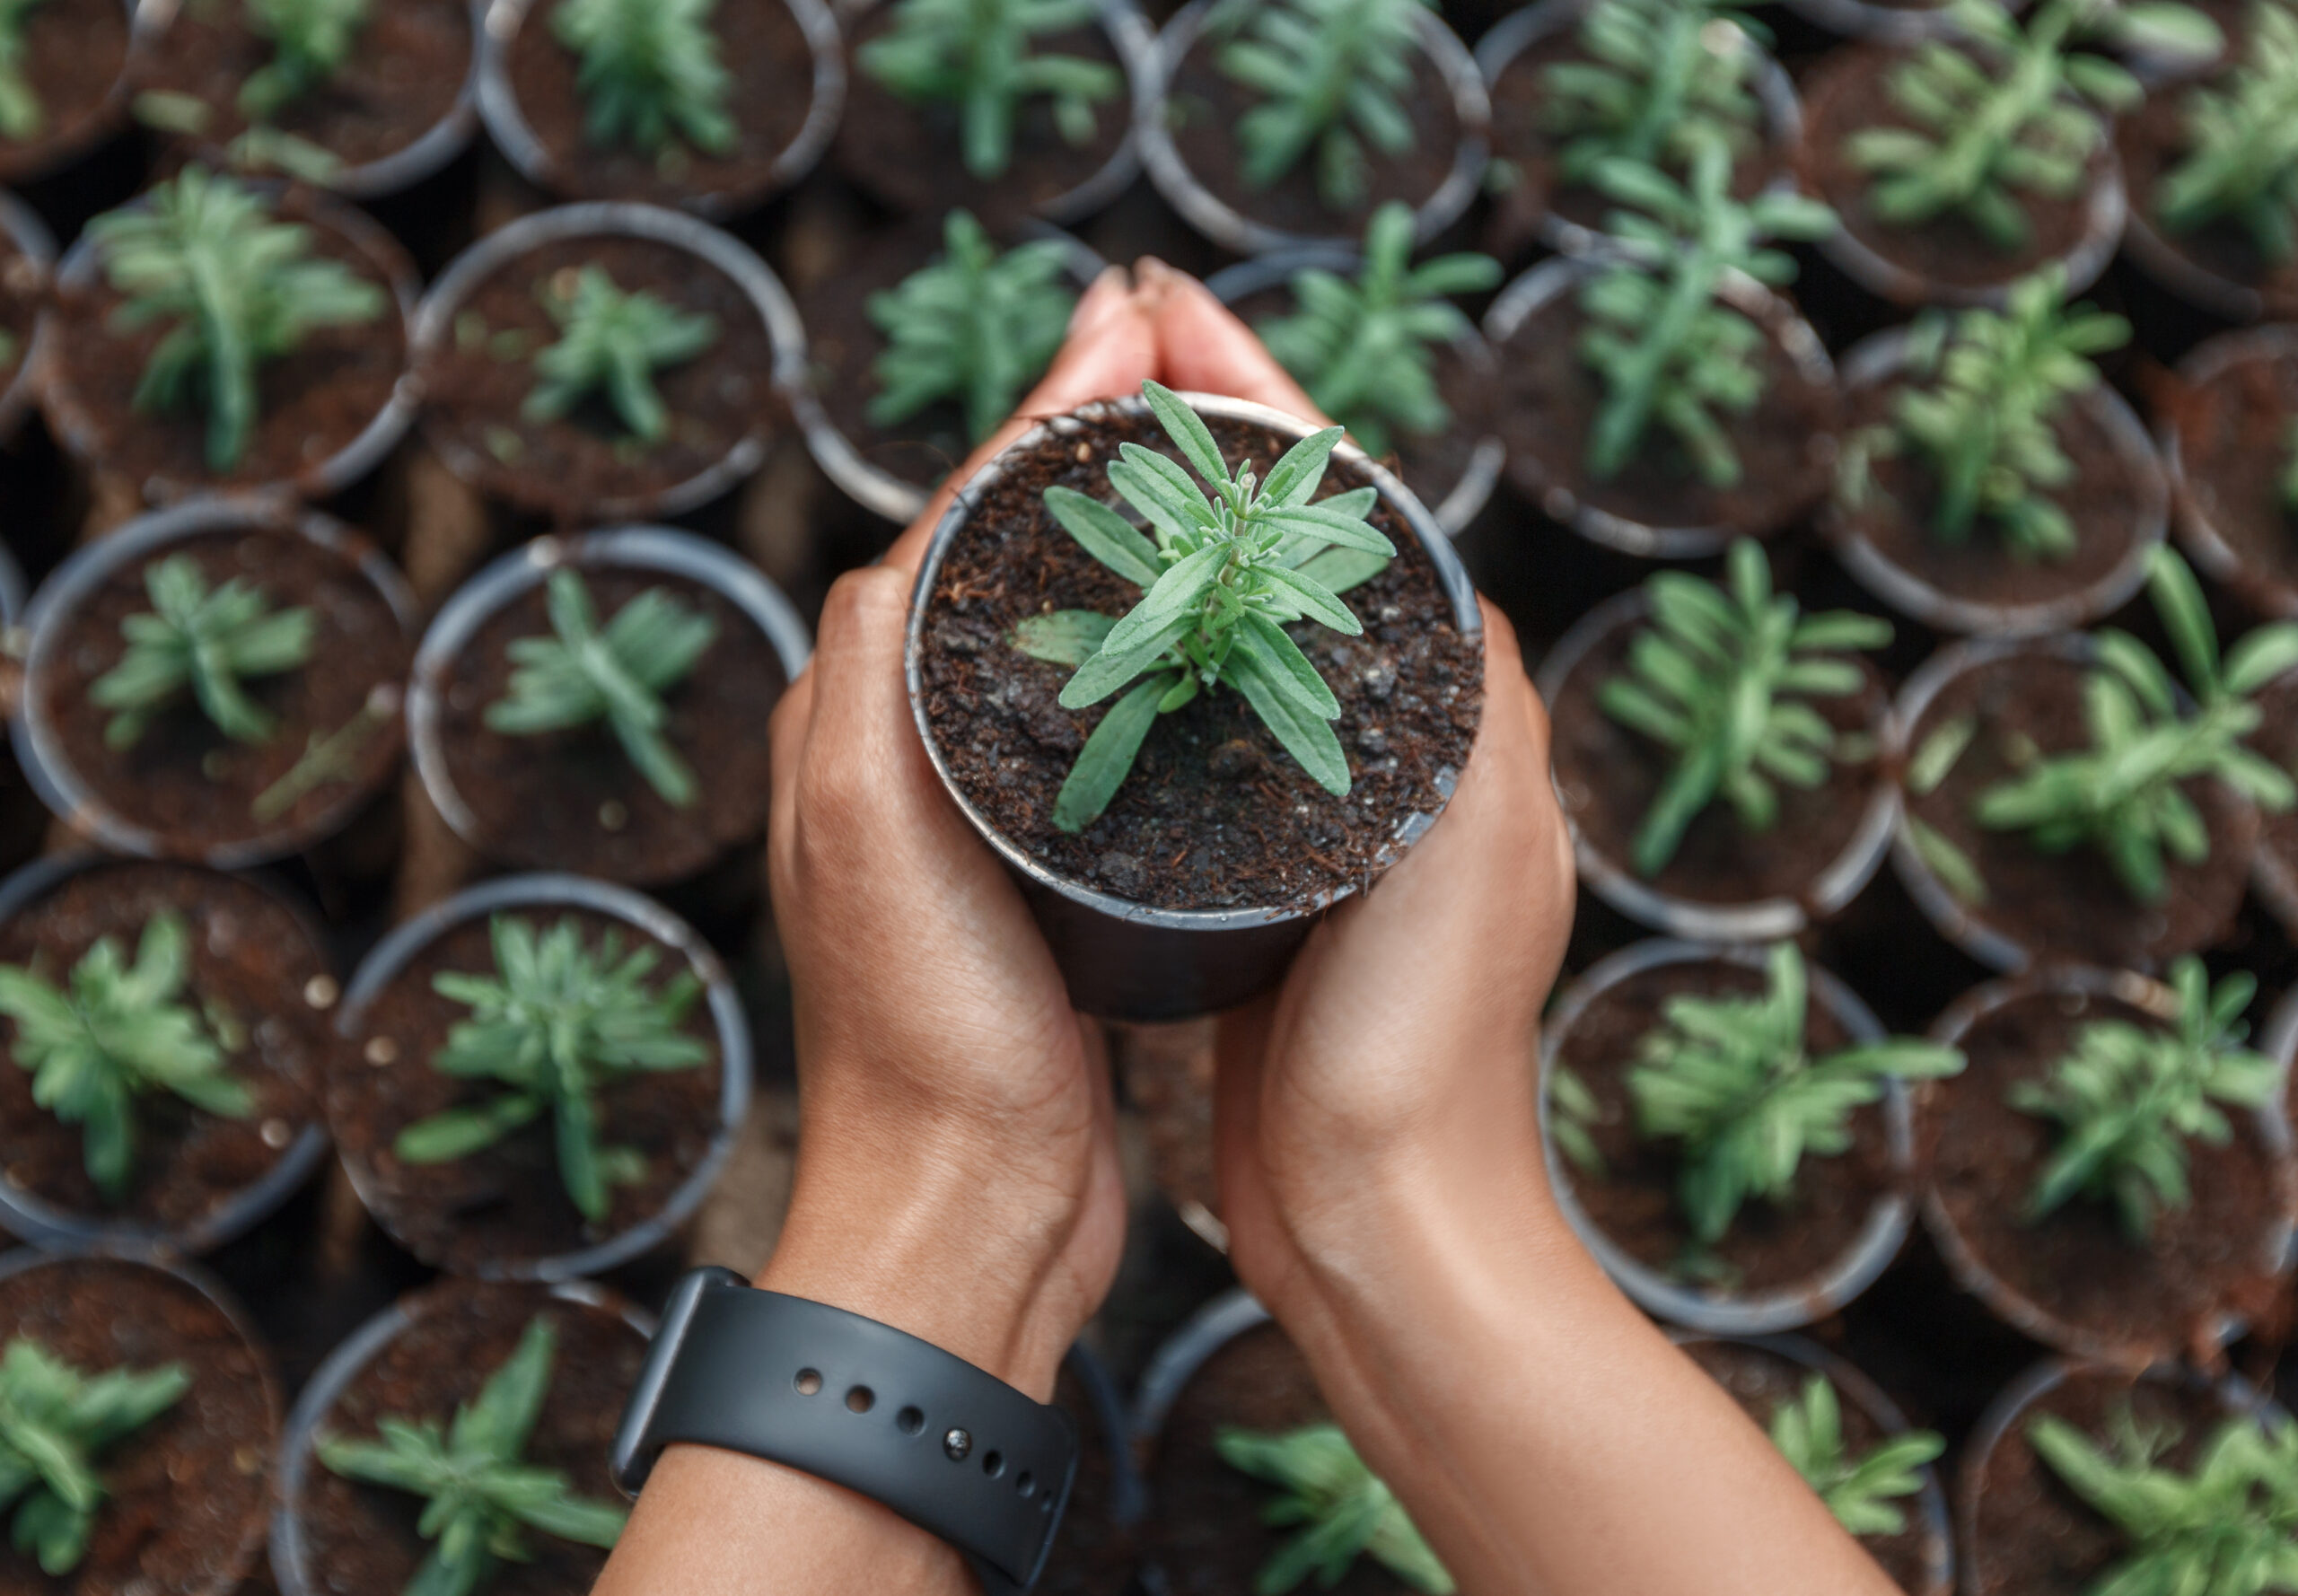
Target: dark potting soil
2070, 904
508, 1202
314, 403
912, 157
1852, 90
1214, 814
1091, 1556
23, 283
1548, 400
759, 43
186, 1500
2159, 1298
1770, 1247
74, 51
2153, 143
475, 383
1205, 1528
1203, 104
185, 779
2233, 435
361, 1540
1763, 1383
573, 800
1607, 776
402, 78
253, 970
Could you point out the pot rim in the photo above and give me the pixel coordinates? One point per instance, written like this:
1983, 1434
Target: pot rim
1183, 1353
1883, 356
1832, 888
1451, 577
1731, 1312
662, 549
434, 322
508, 127
2174, 269
35, 243
39, 745
1973, 1274
46, 158
2208, 546
1535, 289
553, 889
1128, 1496
1217, 220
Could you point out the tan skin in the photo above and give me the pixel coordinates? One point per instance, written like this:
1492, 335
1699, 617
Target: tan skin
1378, 1142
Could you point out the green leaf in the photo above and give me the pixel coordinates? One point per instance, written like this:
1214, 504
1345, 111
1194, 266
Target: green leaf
1108, 756
1063, 636
1102, 532
1304, 733
1188, 433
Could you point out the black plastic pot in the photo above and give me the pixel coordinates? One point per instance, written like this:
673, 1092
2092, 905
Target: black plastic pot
2198, 531
36, 244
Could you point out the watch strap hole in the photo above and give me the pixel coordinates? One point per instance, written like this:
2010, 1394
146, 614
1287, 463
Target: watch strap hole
809, 1383
861, 1399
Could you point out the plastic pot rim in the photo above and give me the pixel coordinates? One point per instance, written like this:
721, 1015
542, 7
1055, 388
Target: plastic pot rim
37, 244
2204, 544
1187, 1350
2174, 269
47, 158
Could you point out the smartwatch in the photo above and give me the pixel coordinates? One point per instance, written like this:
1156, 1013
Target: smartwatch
952, 1448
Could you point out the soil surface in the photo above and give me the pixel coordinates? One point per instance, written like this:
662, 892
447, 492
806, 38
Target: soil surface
1090, 1556
186, 780
477, 382
2234, 445
1214, 814
186, 1502
250, 963
74, 51
2158, 1298
573, 800
2069, 904
759, 43
2154, 143
361, 1540
23, 284
507, 1203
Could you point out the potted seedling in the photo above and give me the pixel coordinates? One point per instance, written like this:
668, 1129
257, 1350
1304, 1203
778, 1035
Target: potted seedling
1990, 482
595, 704
27, 261
66, 70
1660, 399
1850, 1443
491, 1408
222, 335
2085, 1478
910, 365
2067, 797
1187, 743
603, 363
1714, 749
1577, 82
1378, 345
1011, 108
710, 105
140, 1413
540, 1078
2112, 1174
1729, 1133
1281, 122
218, 683
2230, 437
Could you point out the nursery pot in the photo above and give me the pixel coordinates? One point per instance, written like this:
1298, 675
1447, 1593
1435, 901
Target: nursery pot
452, 1240
1455, 495
1232, 229
1958, 603
118, 811
2234, 530
545, 824
1864, 825
2205, 267
584, 174
100, 114
1721, 1311
1877, 19
35, 247
1129, 960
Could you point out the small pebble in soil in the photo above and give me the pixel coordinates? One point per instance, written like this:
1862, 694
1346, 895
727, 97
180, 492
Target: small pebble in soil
381, 1050
321, 992
277, 1134
1121, 873
1084, 453
612, 815
1371, 739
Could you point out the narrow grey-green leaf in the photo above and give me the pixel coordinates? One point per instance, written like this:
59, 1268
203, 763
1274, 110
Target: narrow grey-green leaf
1108, 756
1064, 637
1105, 535
1188, 433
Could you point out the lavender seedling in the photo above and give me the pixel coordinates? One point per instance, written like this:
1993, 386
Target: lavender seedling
651, 73
311, 39
55, 1420
21, 116
612, 343
1661, 79
2241, 130
1348, 1511
1860, 1491
205, 639
981, 57
1331, 75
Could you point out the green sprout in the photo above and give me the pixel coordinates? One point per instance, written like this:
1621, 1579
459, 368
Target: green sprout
115, 1032
650, 73
1720, 679
557, 1023
1348, 1510
1662, 339
21, 116
1859, 1491
2290, 470
975, 327
2230, 1528
1220, 583
2242, 162
618, 674
205, 639
1661, 79
54, 1420
614, 342
976, 54
1364, 348
311, 40
480, 1497
2122, 795
1730, 1079
2128, 1098
1573, 1113
1331, 72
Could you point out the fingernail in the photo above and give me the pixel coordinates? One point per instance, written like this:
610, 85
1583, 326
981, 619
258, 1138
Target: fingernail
1100, 302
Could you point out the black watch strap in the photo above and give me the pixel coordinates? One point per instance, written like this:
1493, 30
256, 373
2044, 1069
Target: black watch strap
952, 1448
